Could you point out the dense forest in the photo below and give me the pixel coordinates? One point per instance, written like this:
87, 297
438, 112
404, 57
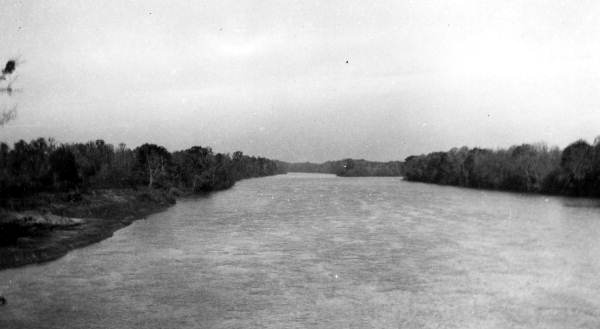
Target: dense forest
350, 168
42, 165
526, 168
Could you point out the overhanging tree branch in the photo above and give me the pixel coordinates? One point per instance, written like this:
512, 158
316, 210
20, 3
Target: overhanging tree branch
8, 115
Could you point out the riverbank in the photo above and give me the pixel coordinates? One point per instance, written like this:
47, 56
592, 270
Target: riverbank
529, 168
47, 226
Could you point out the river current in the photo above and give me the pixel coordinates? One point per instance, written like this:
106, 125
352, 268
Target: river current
319, 251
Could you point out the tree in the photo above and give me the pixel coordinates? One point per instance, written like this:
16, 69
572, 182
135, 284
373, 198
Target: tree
7, 75
64, 168
576, 162
40, 165
152, 159
8, 115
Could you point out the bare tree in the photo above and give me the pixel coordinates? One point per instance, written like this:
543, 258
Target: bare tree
9, 68
8, 113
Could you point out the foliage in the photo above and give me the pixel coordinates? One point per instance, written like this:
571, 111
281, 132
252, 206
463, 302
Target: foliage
43, 166
350, 168
525, 168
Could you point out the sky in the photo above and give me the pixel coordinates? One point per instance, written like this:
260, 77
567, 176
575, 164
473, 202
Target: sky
305, 80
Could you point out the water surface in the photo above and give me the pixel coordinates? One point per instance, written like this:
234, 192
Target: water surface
318, 251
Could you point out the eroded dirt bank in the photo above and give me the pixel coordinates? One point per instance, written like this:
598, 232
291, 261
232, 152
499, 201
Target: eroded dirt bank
46, 227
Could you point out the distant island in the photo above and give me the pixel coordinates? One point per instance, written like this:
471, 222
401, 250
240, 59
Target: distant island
349, 168
530, 168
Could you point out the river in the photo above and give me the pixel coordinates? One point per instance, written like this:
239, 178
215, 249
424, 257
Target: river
319, 251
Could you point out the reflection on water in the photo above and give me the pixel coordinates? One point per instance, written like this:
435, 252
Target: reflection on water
581, 203
317, 251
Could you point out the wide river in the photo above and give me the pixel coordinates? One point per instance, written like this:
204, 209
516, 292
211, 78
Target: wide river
318, 251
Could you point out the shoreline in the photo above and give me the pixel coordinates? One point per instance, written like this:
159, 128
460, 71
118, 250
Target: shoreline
99, 213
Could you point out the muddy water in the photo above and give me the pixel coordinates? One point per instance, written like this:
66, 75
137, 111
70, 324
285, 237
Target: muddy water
317, 251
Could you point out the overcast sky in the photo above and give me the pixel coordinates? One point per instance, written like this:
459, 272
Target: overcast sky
305, 80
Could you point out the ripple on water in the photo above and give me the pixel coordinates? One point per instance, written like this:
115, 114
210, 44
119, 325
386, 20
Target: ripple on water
316, 251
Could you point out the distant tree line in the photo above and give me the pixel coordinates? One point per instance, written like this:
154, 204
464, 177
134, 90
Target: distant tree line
350, 168
42, 165
525, 168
